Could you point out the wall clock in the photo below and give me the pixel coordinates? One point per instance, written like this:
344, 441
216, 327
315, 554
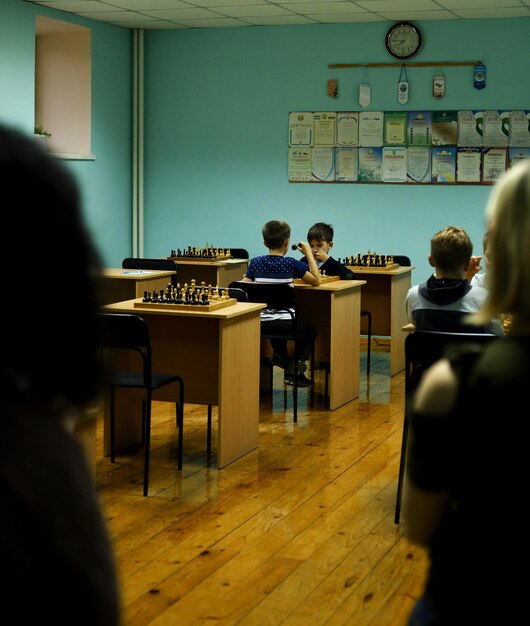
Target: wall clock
403, 40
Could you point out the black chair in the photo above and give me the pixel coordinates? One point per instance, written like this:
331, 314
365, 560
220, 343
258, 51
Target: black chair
401, 260
280, 297
137, 263
367, 314
240, 296
239, 253
120, 335
422, 349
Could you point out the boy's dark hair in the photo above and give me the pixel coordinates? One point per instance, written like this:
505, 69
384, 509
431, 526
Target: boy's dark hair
275, 233
451, 248
320, 232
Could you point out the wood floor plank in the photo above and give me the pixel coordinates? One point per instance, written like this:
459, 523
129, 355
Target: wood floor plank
298, 532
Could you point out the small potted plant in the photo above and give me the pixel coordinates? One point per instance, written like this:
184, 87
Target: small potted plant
40, 132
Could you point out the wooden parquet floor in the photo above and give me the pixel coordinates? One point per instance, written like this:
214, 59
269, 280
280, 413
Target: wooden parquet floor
299, 532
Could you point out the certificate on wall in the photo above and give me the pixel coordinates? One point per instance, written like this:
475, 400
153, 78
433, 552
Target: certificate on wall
395, 164
496, 128
348, 128
325, 129
444, 128
299, 164
470, 126
443, 166
468, 165
517, 154
418, 164
395, 125
493, 164
519, 129
346, 164
301, 128
419, 128
322, 163
371, 129
370, 165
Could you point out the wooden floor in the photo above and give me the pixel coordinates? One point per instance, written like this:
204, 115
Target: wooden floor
299, 532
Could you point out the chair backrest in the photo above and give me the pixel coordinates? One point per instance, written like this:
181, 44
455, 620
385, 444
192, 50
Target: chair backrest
401, 260
423, 348
446, 321
239, 253
278, 296
238, 294
137, 263
126, 331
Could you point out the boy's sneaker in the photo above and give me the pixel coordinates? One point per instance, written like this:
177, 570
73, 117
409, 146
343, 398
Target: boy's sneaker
303, 381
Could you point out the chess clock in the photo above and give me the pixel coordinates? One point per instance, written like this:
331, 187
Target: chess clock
403, 40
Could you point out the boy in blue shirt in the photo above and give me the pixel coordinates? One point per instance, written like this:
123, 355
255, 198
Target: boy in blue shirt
276, 267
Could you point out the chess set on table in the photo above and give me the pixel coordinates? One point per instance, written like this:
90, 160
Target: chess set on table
207, 253
185, 297
370, 261
324, 278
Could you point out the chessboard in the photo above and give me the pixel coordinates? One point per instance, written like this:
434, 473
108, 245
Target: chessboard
323, 280
369, 262
186, 297
206, 254
371, 268
212, 305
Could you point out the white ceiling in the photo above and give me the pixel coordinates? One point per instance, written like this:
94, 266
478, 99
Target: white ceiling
175, 14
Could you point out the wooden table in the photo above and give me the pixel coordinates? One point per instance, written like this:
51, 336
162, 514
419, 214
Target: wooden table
215, 273
384, 296
116, 284
217, 355
333, 309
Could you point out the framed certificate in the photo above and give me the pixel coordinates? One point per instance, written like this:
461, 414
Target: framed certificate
301, 128
325, 128
346, 164
519, 129
395, 164
299, 166
348, 129
496, 128
493, 164
443, 167
444, 128
370, 164
468, 165
322, 163
418, 164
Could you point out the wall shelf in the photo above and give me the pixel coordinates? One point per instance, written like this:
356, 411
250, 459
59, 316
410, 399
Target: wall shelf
415, 64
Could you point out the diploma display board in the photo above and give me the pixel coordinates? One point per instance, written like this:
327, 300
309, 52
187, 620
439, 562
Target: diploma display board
434, 147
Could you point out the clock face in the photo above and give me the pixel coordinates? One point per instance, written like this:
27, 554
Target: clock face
403, 40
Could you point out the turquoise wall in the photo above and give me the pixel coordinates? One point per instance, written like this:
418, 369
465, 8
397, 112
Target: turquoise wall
106, 182
217, 104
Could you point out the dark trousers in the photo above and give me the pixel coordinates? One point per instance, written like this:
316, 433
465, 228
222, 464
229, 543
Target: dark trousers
307, 335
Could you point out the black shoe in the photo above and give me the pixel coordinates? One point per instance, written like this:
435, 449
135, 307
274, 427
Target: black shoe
280, 360
290, 369
288, 379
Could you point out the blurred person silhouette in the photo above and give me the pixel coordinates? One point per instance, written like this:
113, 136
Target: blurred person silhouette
55, 550
467, 458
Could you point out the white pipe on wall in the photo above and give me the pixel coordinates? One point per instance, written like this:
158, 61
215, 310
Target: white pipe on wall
138, 145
